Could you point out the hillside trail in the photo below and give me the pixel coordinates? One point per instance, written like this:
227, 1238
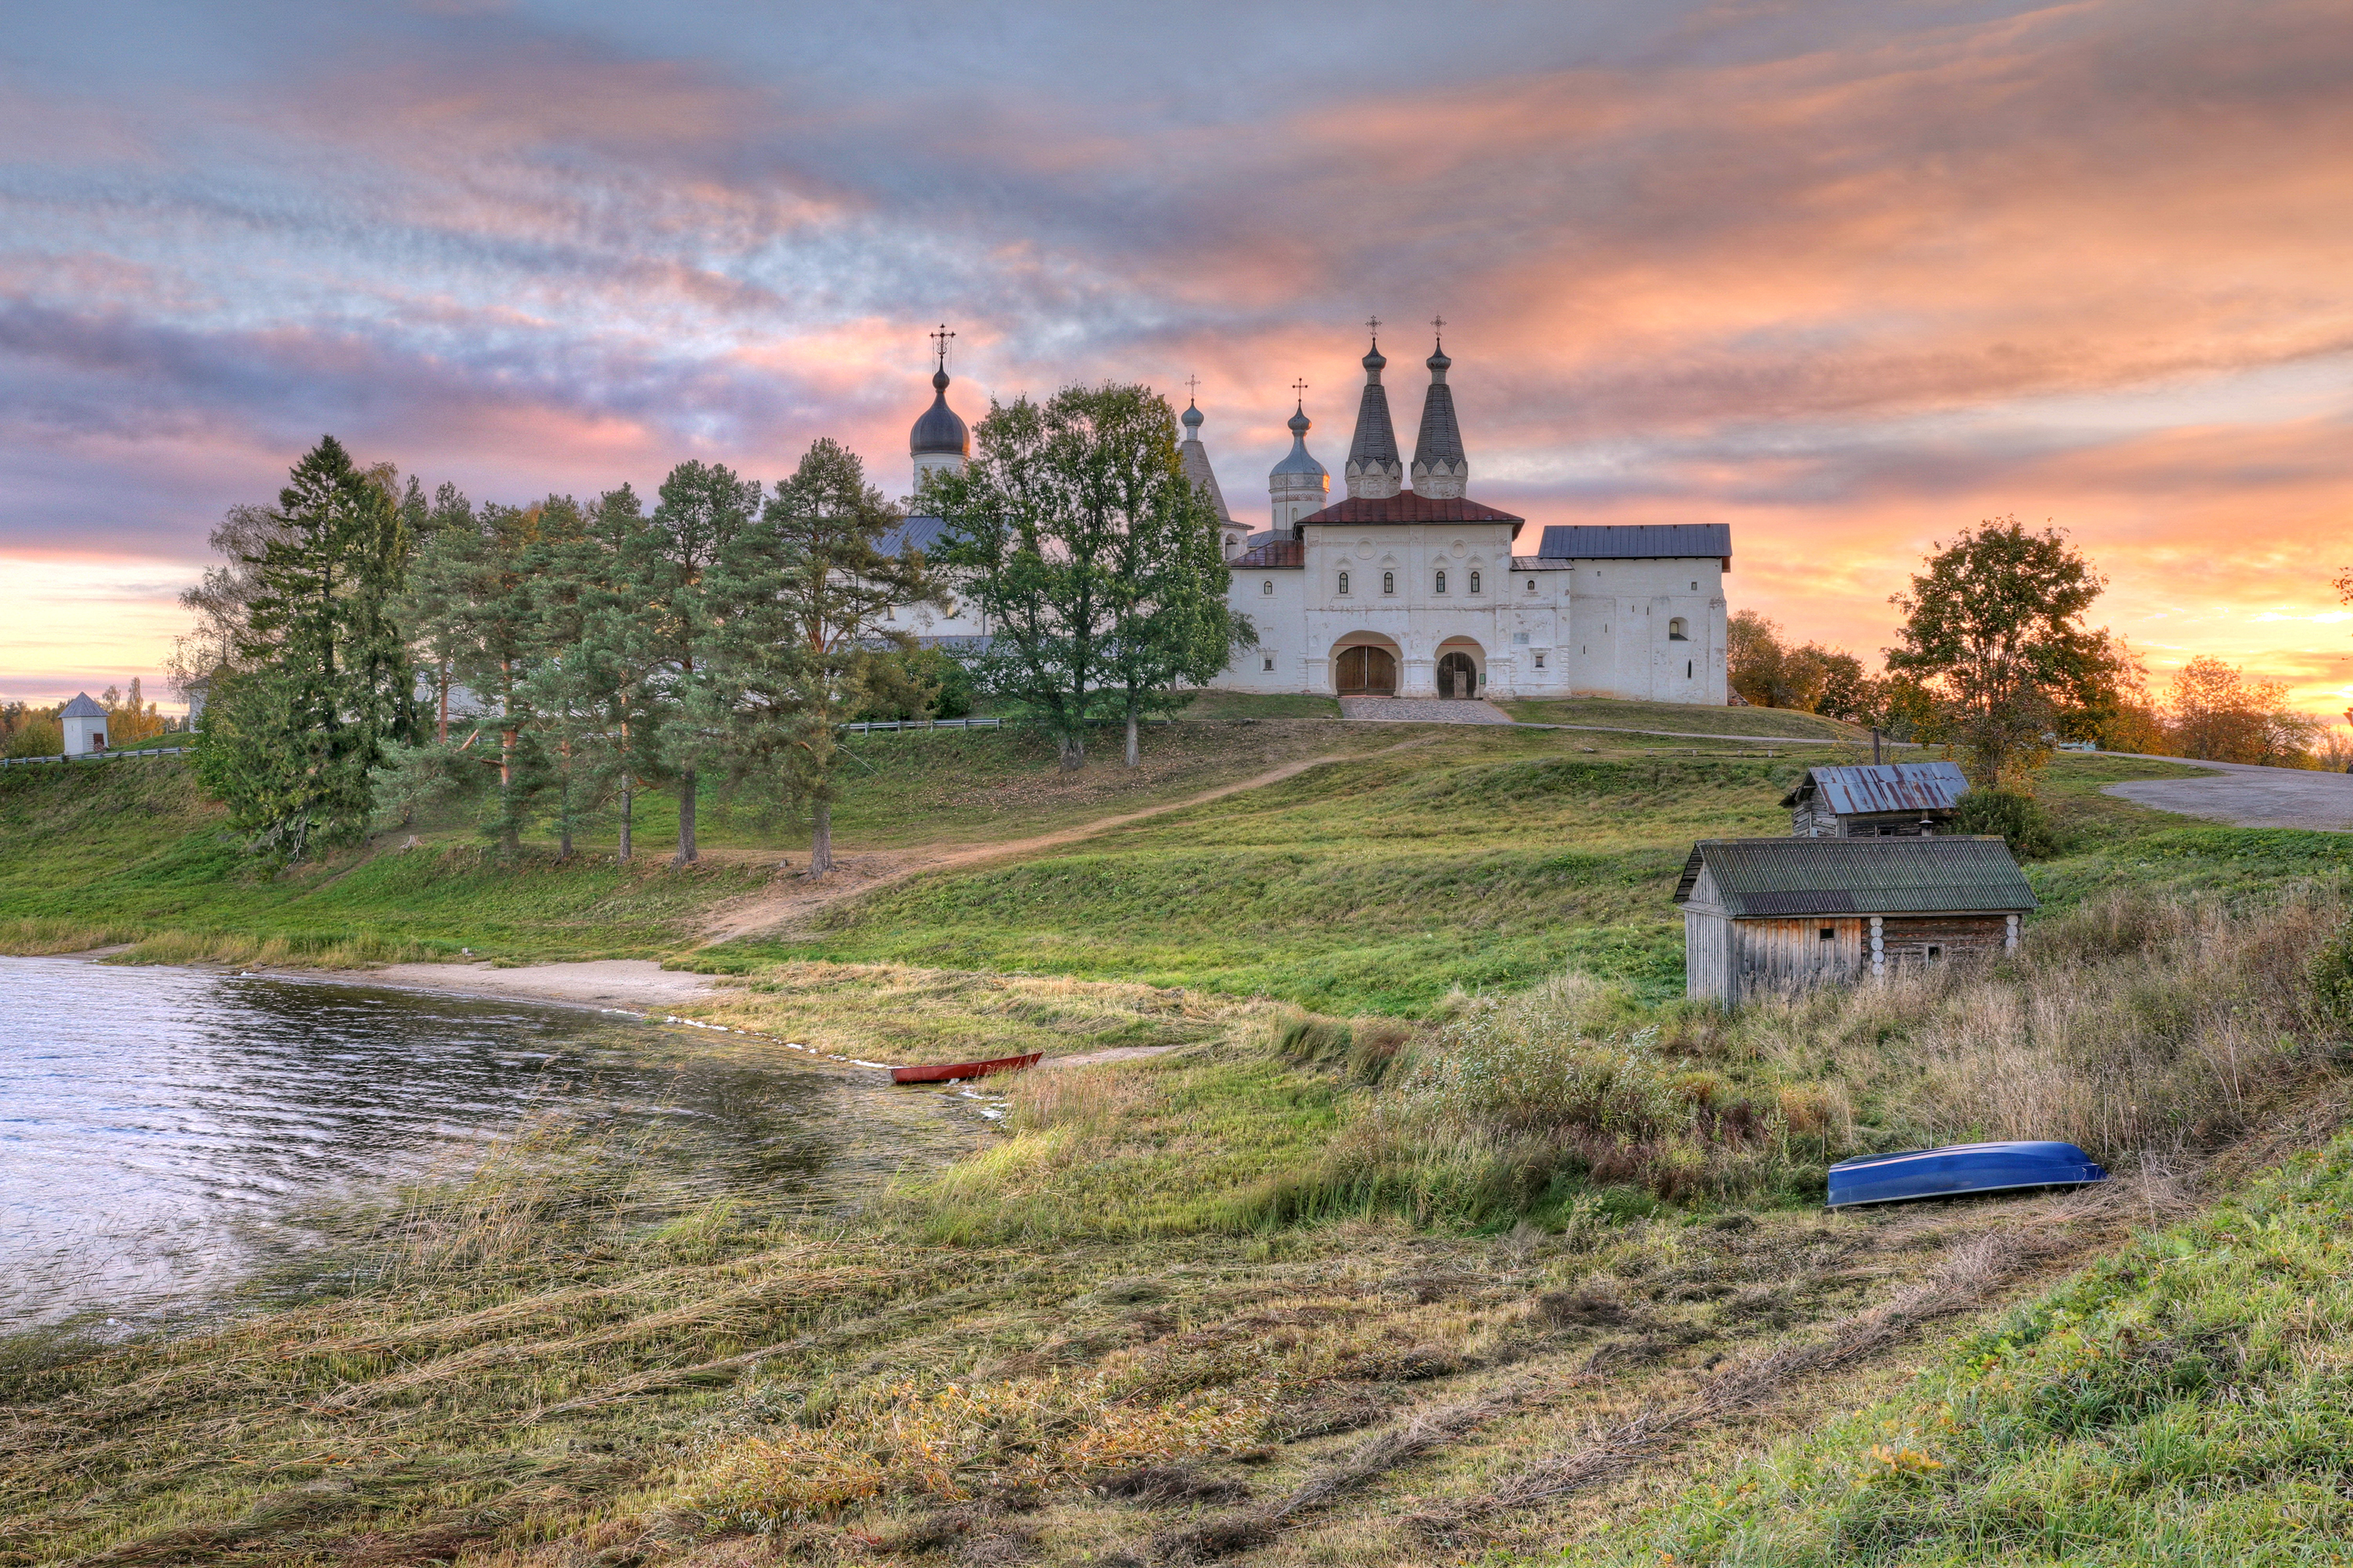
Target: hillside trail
791, 900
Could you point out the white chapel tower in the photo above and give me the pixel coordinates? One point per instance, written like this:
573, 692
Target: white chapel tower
1299, 484
939, 441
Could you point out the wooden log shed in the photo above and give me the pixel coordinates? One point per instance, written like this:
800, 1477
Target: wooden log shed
1884, 800
1764, 915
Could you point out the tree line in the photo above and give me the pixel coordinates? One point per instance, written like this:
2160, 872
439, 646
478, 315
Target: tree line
363, 646
1994, 656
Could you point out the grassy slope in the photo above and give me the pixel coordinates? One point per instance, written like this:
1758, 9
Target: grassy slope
1617, 713
2184, 1401
1482, 861
1124, 1306
129, 849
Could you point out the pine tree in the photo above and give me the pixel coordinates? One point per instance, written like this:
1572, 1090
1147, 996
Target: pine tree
701, 507
324, 682
801, 636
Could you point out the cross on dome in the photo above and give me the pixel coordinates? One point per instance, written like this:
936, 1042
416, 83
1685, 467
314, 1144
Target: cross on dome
940, 342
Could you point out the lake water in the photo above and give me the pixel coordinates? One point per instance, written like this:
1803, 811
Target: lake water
162, 1130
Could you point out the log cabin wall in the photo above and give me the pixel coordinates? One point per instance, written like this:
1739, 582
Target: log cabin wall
1910, 940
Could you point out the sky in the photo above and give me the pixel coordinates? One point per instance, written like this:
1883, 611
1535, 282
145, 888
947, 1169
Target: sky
1850, 277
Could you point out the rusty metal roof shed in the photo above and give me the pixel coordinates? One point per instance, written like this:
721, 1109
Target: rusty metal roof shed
1763, 878
1905, 787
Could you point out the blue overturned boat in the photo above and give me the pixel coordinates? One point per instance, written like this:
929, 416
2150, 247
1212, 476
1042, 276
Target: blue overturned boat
1962, 1168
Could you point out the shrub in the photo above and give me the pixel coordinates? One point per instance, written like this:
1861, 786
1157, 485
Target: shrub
2019, 819
2332, 978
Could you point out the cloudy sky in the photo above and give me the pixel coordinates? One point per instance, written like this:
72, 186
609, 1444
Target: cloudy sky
1848, 275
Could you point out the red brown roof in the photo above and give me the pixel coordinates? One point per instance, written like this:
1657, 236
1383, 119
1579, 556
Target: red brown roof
1274, 553
1408, 507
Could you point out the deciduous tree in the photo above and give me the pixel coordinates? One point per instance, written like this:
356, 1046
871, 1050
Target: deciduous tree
1043, 520
2216, 712
1994, 629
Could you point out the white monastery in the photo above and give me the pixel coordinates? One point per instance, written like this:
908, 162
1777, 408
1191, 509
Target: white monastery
1422, 591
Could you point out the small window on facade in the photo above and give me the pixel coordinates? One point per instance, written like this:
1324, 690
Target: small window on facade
1694, 587
1441, 583
1474, 581
1539, 661
1532, 584
1687, 668
1935, 952
1266, 586
1829, 933
1388, 582
889, 612
1269, 662
1675, 632
1343, 583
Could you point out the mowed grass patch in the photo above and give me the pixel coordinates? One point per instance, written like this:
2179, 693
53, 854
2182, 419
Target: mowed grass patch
1480, 860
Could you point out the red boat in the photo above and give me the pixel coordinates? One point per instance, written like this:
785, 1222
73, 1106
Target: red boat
955, 1070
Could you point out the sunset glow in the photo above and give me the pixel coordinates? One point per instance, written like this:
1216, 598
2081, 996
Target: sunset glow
1847, 277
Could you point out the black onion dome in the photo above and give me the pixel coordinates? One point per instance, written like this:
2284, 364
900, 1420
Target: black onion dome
939, 430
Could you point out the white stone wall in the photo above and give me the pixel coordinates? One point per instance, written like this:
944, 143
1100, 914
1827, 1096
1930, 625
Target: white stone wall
1599, 627
1624, 615
1270, 597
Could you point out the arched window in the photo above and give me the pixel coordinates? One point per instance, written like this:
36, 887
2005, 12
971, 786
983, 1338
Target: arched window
1475, 580
1388, 582
1343, 583
1441, 583
1532, 584
1675, 632
1266, 586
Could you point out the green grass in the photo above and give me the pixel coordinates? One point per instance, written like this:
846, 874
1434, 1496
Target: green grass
2185, 1401
1478, 861
1611, 712
130, 850
1482, 861
1210, 706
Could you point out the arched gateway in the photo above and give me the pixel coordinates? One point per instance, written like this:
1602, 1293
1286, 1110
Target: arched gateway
1364, 666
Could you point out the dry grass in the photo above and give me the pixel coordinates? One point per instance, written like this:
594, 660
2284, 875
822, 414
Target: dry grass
35, 938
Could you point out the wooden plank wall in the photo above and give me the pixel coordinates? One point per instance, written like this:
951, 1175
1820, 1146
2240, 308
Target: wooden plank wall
1789, 954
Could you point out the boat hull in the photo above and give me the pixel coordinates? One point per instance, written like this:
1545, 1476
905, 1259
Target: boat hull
954, 1071
1954, 1172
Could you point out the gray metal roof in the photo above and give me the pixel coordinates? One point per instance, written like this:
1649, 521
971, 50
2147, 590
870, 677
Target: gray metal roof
81, 707
1883, 787
1762, 877
1638, 541
923, 533
1298, 460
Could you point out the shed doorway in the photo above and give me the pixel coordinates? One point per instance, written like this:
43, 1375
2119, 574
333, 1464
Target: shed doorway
1457, 676
1365, 671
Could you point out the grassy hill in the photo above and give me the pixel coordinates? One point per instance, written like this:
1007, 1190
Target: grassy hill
1616, 713
1504, 1250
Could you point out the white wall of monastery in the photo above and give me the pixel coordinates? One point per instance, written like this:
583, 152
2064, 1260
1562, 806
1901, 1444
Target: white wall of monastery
1651, 630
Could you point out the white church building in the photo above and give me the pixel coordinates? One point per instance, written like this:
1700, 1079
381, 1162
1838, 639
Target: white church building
1422, 591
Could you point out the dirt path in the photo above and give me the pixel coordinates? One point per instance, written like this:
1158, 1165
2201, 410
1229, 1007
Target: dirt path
2245, 795
793, 898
